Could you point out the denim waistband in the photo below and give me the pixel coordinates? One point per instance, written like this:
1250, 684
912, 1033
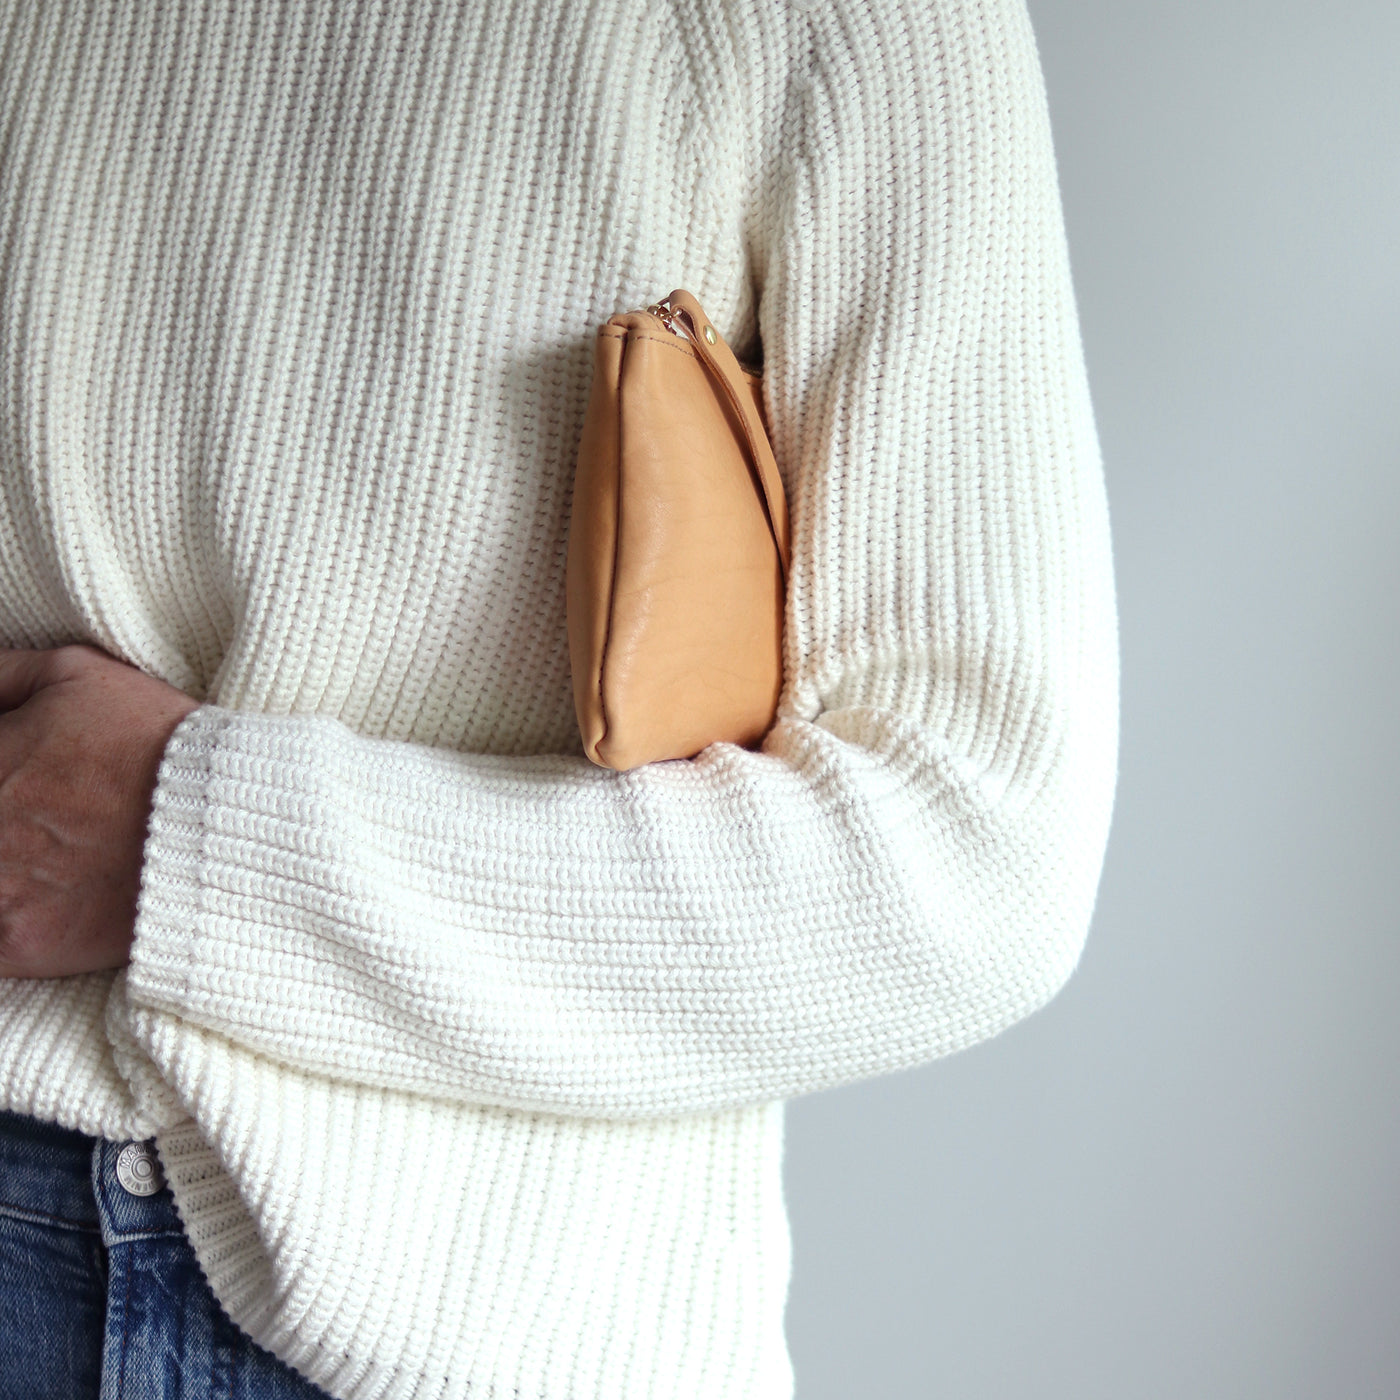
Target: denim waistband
46, 1171
138, 1320
65, 1178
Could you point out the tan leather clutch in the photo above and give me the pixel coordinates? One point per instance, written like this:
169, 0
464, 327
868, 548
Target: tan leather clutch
678, 544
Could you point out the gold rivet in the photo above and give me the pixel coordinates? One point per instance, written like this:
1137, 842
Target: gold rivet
710, 334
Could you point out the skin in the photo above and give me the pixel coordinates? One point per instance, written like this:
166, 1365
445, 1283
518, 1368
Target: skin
81, 739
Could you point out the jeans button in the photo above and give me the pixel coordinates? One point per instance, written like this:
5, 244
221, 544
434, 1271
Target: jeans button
138, 1170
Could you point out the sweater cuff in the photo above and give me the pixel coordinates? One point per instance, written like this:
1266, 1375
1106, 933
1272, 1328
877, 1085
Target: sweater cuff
175, 900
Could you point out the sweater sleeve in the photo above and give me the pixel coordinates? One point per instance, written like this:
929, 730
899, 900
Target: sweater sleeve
909, 863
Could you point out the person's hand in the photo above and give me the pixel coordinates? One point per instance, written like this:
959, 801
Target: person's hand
81, 739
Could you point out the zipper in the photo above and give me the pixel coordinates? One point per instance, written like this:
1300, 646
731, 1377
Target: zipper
667, 314
671, 317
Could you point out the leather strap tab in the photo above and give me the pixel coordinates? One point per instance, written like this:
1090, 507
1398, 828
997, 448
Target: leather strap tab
722, 363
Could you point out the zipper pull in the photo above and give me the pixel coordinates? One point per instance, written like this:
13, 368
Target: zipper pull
664, 312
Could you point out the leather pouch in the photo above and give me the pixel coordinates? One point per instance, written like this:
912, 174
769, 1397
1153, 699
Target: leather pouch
678, 550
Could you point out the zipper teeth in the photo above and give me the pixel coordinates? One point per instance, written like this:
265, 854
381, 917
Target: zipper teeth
663, 313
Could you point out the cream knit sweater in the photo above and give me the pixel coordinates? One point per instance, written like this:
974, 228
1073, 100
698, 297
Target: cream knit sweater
464, 1057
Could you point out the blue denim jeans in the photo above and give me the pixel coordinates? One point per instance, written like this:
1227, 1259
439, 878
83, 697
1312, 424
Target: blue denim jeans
101, 1297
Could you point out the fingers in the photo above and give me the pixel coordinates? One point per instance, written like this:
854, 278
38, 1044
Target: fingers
23, 672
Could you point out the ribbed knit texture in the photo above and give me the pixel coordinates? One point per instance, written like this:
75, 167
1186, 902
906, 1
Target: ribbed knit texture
464, 1056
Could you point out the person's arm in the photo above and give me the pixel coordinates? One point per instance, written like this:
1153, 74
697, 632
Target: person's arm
910, 863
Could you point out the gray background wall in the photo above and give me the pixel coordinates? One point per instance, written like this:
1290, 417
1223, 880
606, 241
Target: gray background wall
1182, 1178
